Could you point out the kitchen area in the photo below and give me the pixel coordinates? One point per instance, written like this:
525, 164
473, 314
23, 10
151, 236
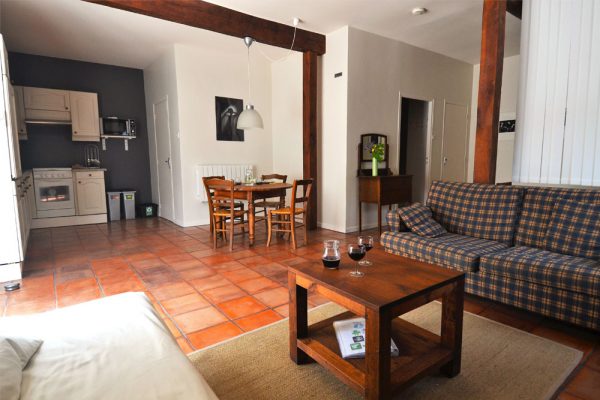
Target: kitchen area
75, 130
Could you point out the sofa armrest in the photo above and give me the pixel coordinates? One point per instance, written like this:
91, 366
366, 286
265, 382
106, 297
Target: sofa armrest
395, 222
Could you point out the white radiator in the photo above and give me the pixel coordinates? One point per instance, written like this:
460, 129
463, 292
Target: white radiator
236, 172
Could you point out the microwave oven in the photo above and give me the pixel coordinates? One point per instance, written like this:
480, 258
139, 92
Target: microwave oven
113, 126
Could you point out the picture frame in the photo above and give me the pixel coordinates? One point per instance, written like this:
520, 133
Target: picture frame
227, 111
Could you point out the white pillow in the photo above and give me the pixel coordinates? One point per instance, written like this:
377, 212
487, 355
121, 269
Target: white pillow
15, 354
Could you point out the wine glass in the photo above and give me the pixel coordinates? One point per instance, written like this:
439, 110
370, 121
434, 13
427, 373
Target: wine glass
356, 252
367, 242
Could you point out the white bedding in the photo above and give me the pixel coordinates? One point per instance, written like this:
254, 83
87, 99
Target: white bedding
116, 347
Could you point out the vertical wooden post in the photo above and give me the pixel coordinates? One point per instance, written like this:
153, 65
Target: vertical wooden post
490, 85
309, 128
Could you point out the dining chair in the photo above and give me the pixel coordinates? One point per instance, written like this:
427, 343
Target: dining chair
238, 205
263, 206
287, 216
223, 213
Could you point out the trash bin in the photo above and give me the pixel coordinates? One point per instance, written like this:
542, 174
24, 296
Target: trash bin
114, 205
129, 203
146, 210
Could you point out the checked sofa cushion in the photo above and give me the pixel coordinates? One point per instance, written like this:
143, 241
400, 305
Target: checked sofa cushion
574, 229
576, 274
538, 204
449, 250
478, 210
394, 221
419, 220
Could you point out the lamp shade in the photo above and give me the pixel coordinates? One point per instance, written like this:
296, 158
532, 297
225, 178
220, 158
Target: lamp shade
249, 118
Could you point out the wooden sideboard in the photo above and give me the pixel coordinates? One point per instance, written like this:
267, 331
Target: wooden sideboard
383, 190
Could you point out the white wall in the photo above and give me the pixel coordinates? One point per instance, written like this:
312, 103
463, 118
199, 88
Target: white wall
379, 70
202, 74
508, 109
160, 81
332, 133
286, 116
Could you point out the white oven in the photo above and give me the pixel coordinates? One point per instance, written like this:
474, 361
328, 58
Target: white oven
54, 195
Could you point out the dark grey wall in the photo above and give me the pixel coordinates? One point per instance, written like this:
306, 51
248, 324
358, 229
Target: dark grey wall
120, 93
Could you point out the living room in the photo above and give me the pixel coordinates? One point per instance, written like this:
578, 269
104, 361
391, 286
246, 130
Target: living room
224, 295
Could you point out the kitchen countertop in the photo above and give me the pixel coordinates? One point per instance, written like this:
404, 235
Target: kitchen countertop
75, 169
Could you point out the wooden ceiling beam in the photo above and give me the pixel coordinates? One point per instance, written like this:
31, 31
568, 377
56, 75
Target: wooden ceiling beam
212, 17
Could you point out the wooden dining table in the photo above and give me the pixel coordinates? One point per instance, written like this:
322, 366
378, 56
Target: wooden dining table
254, 192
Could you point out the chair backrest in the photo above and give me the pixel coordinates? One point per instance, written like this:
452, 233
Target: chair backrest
219, 193
282, 178
306, 185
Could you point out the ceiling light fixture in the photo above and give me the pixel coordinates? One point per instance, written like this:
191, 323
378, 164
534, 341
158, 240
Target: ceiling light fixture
419, 10
249, 118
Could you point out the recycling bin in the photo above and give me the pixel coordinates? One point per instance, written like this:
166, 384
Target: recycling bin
128, 203
114, 205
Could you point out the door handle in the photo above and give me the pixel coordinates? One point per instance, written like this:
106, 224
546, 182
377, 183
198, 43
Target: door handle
168, 162
445, 160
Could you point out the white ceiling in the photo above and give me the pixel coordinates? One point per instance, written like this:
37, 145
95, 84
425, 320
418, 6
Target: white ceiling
77, 30
451, 27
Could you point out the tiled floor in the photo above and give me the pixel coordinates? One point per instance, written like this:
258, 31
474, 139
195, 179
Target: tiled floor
205, 296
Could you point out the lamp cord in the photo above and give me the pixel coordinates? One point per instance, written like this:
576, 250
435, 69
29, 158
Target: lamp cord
284, 57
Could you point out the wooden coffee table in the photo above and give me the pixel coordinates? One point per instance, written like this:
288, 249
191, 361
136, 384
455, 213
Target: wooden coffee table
391, 287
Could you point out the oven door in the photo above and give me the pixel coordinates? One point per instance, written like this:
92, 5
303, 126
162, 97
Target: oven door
114, 126
54, 197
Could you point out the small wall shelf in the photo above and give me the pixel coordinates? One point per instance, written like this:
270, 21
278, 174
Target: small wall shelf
125, 139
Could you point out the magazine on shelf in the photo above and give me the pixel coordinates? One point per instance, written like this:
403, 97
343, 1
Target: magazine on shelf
350, 335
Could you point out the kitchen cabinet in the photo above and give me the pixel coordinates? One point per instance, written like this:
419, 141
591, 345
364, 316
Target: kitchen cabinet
90, 192
85, 119
46, 104
20, 112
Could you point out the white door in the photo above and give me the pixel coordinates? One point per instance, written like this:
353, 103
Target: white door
454, 142
85, 119
162, 136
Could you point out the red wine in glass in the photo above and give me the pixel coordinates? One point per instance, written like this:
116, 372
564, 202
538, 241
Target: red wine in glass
367, 243
357, 253
331, 262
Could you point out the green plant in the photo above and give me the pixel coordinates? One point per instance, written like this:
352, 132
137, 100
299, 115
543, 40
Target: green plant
378, 151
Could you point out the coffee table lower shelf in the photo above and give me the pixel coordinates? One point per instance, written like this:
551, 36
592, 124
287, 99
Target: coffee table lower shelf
421, 353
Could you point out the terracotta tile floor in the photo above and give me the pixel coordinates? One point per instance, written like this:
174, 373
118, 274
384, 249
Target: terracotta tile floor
205, 296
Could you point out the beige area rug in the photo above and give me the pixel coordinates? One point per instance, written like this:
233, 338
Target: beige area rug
499, 362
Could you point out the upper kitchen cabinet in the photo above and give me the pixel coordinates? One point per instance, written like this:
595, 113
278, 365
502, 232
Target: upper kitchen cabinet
85, 119
46, 104
20, 112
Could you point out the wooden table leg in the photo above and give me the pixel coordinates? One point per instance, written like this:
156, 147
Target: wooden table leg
359, 216
379, 217
452, 326
377, 347
251, 218
298, 319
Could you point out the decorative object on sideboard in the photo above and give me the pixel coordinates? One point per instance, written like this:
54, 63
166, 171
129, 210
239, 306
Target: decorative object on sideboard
249, 118
365, 155
507, 126
227, 112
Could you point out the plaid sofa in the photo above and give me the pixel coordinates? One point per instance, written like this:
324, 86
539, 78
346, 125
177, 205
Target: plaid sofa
497, 235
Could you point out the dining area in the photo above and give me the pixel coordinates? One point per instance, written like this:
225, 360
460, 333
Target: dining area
236, 207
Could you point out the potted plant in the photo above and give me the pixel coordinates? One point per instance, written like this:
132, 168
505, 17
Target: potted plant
377, 151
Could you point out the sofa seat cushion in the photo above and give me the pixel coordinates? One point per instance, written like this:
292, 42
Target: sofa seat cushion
576, 274
449, 250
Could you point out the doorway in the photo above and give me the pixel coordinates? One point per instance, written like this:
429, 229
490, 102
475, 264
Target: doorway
414, 144
162, 137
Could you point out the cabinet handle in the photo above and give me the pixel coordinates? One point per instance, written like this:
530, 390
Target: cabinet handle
75, 132
79, 182
66, 108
